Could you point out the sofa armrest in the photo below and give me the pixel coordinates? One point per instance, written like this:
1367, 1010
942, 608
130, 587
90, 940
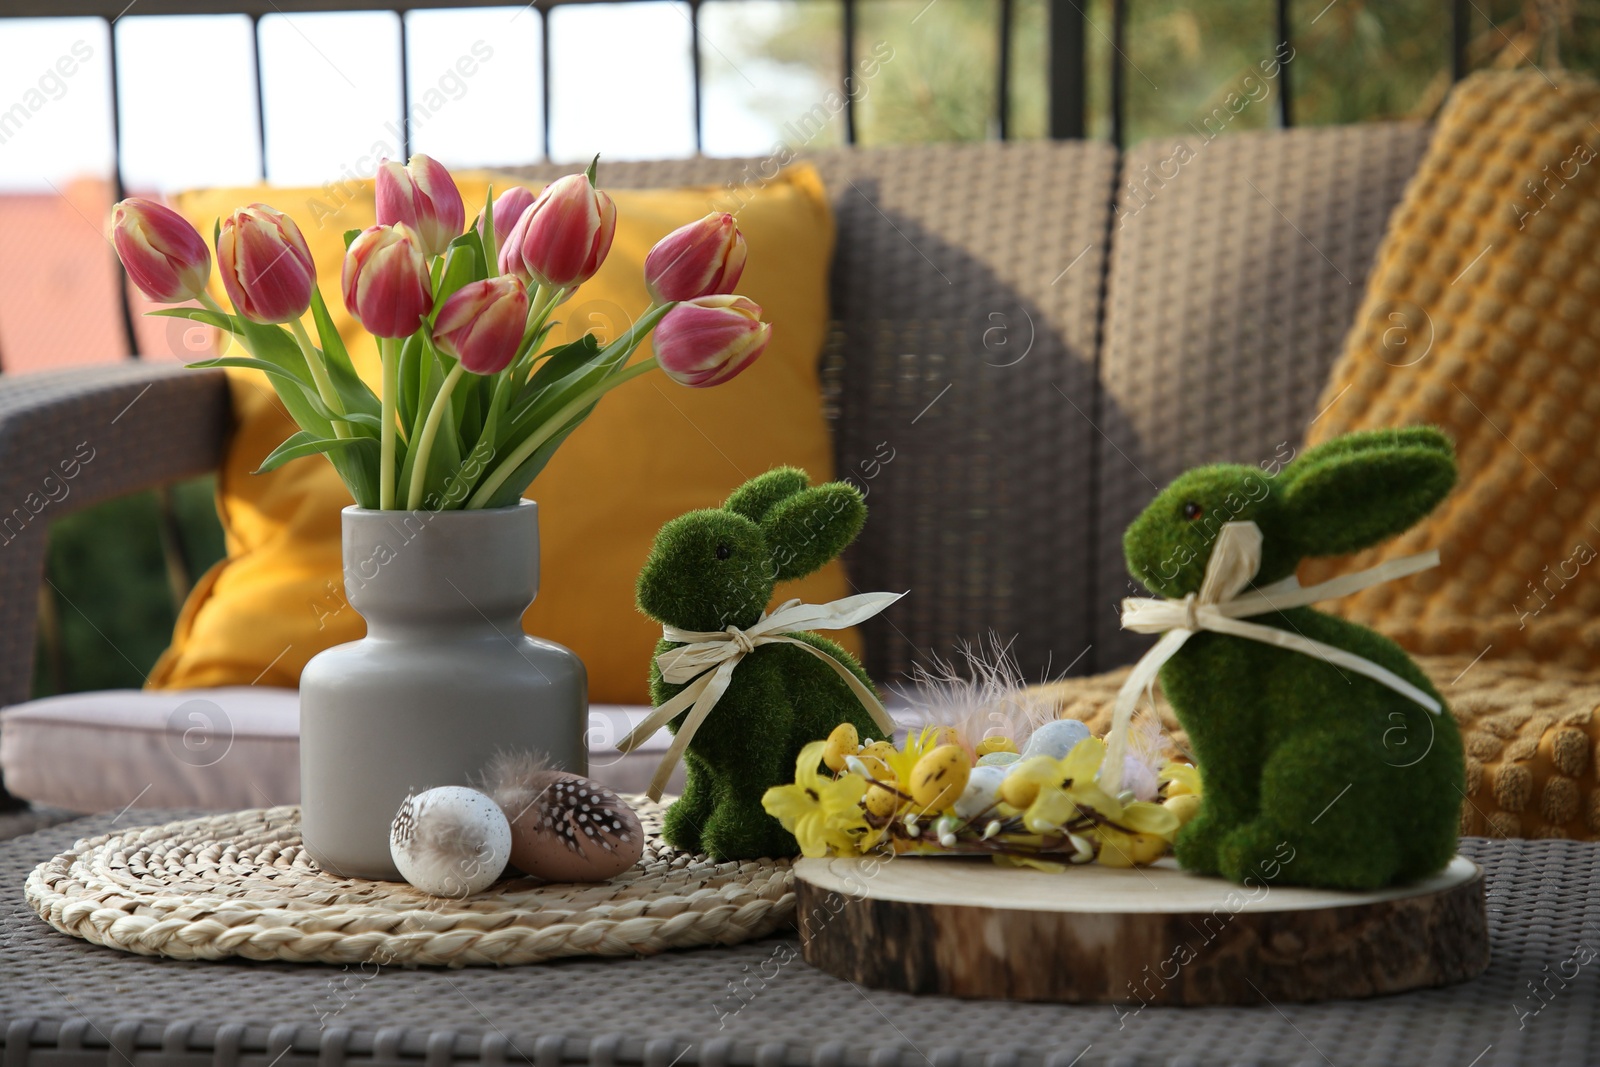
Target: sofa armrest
70, 439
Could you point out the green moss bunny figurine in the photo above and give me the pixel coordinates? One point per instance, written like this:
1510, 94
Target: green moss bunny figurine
716, 568
1311, 774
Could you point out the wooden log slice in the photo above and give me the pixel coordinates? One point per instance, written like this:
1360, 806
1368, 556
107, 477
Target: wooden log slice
1148, 936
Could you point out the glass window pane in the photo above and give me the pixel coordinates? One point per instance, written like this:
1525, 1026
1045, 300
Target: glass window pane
1199, 70
621, 81
55, 119
332, 86
1030, 70
58, 275
1358, 61
474, 80
773, 71
179, 131
934, 64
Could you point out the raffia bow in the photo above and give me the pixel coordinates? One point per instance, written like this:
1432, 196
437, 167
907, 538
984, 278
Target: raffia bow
1220, 606
706, 658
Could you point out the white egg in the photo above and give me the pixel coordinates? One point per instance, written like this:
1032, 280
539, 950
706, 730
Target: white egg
983, 789
998, 759
450, 841
1055, 738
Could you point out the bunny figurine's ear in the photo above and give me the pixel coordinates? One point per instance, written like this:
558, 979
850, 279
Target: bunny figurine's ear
812, 527
1357, 490
755, 498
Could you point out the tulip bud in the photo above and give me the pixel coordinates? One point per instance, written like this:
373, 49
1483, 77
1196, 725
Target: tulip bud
564, 237
386, 281
704, 342
266, 267
481, 323
509, 208
704, 258
424, 197
164, 255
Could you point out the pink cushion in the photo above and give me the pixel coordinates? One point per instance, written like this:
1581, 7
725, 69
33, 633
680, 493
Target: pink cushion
213, 749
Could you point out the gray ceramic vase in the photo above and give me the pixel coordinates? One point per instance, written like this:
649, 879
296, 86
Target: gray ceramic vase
443, 680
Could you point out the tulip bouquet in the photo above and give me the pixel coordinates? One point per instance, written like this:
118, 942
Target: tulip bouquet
472, 403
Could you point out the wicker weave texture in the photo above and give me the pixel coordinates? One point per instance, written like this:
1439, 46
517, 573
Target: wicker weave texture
962, 347
241, 884
1235, 277
118, 429
757, 1003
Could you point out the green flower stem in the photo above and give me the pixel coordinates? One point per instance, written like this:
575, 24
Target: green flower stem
552, 426
387, 350
319, 375
430, 430
540, 306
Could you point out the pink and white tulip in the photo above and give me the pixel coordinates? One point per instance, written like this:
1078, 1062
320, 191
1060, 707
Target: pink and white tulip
509, 207
707, 341
165, 256
423, 196
266, 266
386, 281
704, 258
563, 238
481, 323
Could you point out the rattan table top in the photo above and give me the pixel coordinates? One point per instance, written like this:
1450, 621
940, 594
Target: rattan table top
758, 1003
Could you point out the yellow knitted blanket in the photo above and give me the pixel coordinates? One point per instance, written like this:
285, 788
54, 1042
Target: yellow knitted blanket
1482, 316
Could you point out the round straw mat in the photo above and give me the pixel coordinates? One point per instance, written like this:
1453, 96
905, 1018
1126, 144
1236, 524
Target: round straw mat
242, 885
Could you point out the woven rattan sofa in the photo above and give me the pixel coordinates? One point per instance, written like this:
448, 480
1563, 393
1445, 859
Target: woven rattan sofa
1043, 333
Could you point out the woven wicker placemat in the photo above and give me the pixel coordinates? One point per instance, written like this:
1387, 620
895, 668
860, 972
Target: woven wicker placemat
241, 884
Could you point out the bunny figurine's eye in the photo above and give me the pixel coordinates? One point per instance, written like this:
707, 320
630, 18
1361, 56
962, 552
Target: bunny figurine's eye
723, 551
1193, 511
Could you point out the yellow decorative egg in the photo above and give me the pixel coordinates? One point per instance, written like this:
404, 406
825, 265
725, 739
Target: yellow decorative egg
939, 777
1185, 806
841, 743
1132, 849
1023, 780
881, 802
996, 744
876, 756
1180, 784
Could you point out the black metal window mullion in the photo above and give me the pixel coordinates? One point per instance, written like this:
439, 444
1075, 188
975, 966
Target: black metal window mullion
847, 42
1067, 69
405, 88
1460, 38
118, 190
1285, 83
544, 76
1119, 74
697, 70
1003, 66
261, 91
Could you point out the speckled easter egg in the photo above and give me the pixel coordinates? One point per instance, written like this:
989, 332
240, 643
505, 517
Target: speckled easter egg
982, 791
575, 830
450, 841
939, 777
1055, 738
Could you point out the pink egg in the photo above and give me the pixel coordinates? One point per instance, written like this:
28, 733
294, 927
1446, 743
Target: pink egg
575, 830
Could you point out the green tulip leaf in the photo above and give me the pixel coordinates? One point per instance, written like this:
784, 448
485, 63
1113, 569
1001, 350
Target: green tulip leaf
303, 444
463, 263
203, 315
512, 489
250, 363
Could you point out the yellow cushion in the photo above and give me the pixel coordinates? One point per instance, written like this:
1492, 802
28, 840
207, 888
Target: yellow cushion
651, 450
1483, 316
